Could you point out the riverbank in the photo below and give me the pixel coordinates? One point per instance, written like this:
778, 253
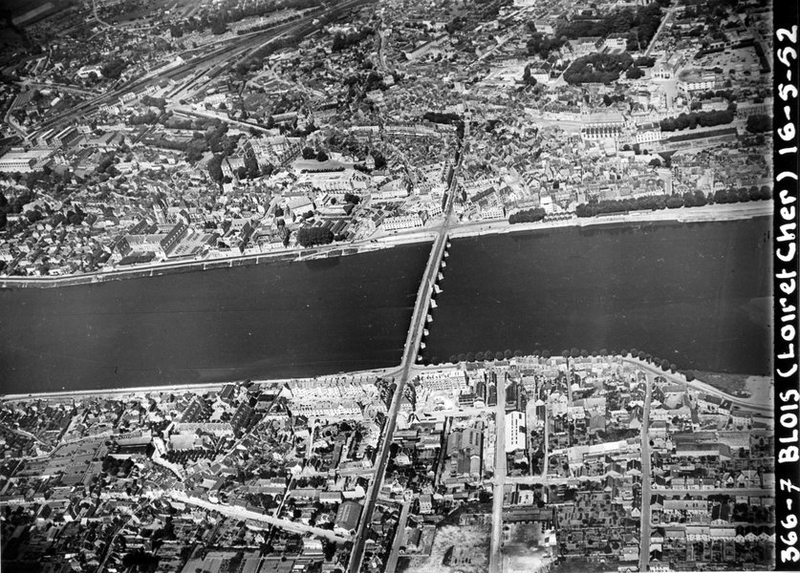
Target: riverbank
285, 319
652, 284
705, 214
141, 391
708, 213
175, 267
761, 403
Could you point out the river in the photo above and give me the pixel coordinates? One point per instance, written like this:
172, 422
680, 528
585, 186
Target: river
697, 294
271, 320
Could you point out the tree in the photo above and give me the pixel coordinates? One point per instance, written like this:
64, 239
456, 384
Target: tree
759, 123
218, 27
308, 153
380, 160
527, 216
322, 156
634, 73
328, 549
527, 78
597, 68
310, 236
251, 164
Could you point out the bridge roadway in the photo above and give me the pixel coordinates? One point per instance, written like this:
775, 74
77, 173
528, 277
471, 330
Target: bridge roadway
410, 352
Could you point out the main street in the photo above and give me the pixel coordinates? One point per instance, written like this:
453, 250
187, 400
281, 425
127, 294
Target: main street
644, 544
670, 493
410, 353
242, 514
664, 21
495, 557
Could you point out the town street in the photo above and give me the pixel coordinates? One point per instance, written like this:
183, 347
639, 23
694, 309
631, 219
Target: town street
399, 537
410, 355
242, 513
495, 557
644, 544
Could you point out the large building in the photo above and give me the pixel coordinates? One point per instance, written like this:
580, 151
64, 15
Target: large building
695, 81
402, 222
18, 160
515, 432
463, 456
347, 517
602, 126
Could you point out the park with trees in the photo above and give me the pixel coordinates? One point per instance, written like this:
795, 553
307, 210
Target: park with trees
675, 201
527, 216
597, 68
694, 119
313, 236
540, 45
344, 41
639, 26
759, 123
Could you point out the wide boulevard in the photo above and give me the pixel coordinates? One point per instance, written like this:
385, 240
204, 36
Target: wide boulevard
410, 353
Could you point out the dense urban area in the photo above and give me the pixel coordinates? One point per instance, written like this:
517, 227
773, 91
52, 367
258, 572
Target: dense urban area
142, 135
139, 134
591, 462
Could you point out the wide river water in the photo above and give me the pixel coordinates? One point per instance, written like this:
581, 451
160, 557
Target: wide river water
276, 319
697, 294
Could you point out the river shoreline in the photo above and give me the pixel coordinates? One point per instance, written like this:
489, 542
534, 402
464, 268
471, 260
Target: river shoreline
758, 403
706, 214
141, 391
709, 213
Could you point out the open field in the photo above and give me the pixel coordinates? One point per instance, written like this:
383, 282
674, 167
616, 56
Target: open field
523, 550
733, 383
456, 548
